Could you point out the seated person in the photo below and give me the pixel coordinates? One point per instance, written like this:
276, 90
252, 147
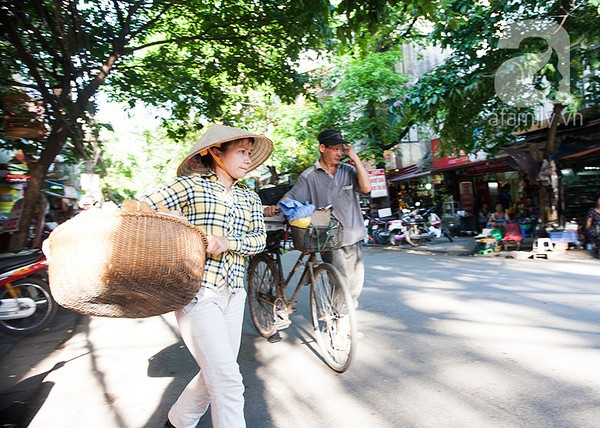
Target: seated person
498, 219
483, 215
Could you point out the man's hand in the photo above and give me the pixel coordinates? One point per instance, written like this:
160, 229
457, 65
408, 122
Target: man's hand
350, 152
270, 210
217, 244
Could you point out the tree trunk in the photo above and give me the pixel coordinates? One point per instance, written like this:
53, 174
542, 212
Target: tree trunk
549, 197
33, 191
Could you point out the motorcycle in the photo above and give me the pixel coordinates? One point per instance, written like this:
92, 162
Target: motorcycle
26, 304
377, 229
397, 231
419, 231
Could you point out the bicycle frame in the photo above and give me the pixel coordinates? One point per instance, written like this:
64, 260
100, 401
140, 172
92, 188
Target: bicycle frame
305, 278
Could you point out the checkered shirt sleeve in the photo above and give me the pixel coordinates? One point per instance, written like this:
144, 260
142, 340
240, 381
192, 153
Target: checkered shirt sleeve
237, 215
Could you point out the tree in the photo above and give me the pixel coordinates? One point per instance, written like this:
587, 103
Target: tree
356, 95
462, 98
356, 91
187, 56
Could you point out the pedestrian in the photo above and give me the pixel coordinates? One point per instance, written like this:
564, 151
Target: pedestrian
331, 182
592, 224
208, 193
498, 219
505, 197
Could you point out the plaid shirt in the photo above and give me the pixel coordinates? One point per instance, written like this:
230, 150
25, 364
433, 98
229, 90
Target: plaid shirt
237, 214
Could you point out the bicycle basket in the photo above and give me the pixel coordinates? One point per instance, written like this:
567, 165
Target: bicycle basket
325, 233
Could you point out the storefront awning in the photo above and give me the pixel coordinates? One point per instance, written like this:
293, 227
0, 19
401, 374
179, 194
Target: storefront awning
525, 162
409, 172
574, 148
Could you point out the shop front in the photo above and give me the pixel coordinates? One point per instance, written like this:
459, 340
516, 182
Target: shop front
578, 161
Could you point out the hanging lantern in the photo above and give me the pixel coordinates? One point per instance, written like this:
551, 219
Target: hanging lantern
23, 117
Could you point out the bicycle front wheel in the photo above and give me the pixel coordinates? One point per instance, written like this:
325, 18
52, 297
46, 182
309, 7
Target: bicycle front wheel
333, 317
262, 292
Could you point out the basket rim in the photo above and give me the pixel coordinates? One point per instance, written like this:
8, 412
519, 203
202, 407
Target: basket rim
154, 216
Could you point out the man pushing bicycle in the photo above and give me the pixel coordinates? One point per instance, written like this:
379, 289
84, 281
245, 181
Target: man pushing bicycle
331, 182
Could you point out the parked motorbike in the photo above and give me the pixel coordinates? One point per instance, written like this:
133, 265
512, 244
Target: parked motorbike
424, 225
397, 230
377, 229
26, 304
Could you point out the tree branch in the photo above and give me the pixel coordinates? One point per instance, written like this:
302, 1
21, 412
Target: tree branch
400, 137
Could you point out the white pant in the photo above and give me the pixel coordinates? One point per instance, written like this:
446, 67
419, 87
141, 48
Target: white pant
211, 327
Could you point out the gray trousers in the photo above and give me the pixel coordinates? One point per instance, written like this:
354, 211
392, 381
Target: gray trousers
350, 262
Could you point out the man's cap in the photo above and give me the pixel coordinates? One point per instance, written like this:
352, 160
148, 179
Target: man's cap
331, 137
217, 135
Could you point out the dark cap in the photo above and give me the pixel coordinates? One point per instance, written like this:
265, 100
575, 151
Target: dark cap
331, 137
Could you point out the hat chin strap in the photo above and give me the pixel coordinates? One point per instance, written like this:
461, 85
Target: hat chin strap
219, 163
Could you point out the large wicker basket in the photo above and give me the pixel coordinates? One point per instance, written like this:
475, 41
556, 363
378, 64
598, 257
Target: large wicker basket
125, 264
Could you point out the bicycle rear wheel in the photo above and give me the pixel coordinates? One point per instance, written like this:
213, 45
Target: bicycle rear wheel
263, 276
333, 317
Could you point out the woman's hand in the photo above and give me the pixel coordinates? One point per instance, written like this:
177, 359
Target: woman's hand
217, 244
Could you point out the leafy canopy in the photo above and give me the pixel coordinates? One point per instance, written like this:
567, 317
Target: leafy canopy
459, 97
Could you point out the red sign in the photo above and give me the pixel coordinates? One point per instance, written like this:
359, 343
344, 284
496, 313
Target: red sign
446, 161
378, 183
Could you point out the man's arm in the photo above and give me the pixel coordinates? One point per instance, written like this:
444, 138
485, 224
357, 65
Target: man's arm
364, 183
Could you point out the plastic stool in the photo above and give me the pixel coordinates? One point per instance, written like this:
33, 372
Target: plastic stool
542, 245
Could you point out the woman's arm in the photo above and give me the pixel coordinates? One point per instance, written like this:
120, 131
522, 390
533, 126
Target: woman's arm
253, 242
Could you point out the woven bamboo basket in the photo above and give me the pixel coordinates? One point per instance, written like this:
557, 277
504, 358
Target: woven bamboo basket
125, 264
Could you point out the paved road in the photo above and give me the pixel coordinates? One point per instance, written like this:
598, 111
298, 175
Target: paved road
449, 342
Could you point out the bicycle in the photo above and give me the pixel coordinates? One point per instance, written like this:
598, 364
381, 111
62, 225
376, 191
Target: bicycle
332, 310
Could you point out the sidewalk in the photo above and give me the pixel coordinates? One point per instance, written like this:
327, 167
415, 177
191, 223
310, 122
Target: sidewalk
26, 361
464, 246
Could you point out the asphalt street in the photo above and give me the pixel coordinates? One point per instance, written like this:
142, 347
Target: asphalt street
449, 341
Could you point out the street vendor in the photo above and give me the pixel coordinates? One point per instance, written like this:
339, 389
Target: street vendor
209, 194
498, 219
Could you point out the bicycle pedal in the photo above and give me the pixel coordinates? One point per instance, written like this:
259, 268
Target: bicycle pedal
282, 324
275, 338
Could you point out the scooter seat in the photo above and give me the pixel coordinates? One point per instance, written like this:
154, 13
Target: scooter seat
10, 261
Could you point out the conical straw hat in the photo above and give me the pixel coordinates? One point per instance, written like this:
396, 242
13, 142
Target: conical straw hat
218, 134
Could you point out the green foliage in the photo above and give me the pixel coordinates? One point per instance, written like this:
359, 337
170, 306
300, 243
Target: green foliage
189, 57
359, 92
459, 98
140, 161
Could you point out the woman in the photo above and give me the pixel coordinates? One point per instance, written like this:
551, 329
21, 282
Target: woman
498, 219
592, 224
208, 193
483, 215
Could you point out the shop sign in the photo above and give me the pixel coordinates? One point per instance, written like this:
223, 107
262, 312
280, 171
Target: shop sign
446, 161
378, 183
16, 174
466, 196
480, 168
12, 222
